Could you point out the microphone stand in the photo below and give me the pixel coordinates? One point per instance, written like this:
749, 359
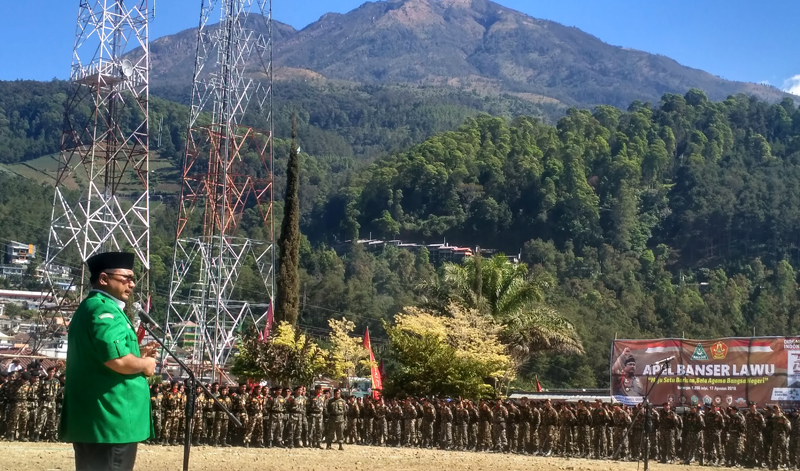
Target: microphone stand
190, 394
648, 422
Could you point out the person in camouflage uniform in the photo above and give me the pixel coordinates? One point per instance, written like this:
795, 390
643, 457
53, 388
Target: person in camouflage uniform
445, 426
428, 419
734, 443
353, 414
484, 441
316, 406
566, 419
396, 428
767, 434
156, 400
473, 440
367, 422
277, 413
221, 418
637, 432
296, 407
667, 428
621, 420
549, 428
712, 435
255, 411
5, 384
172, 406
33, 406
198, 416
18, 398
210, 414
380, 434
781, 428
499, 421
337, 409
754, 438
409, 423
693, 425
239, 400
583, 424
461, 419
513, 426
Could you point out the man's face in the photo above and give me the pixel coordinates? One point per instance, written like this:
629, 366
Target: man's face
630, 368
752, 407
51, 374
118, 283
214, 387
337, 395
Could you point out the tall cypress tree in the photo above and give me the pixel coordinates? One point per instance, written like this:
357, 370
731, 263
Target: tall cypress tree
288, 302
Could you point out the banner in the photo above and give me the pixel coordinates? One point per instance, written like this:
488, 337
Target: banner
722, 372
377, 378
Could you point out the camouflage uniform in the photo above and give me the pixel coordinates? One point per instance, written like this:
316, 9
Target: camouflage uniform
446, 428
461, 420
198, 417
297, 415
735, 441
336, 416
315, 408
668, 428
583, 422
474, 427
210, 415
173, 403
693, 446
781, 428
396, 429
567, 421
380, 434
712, 435
221, 419
156, 401
600, 420
513, 427
18, 415
255, 410
754, 440
33, 407
353, 414
533, 425
621, 421
485, 432
409, 424
46, 425
428, 419
239, 402
548, 429
637, 432
367, 422
276, 417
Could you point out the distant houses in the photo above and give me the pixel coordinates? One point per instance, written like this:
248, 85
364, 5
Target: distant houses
438, 254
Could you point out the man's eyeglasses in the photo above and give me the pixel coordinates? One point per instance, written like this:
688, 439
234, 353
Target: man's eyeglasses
124, 278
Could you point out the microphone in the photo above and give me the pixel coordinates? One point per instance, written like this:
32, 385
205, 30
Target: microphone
665, 360
145, 317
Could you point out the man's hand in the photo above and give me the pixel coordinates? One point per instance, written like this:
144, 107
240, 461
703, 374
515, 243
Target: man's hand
150, 350
149, 366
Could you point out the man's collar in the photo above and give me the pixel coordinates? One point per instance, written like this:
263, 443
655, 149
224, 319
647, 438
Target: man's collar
120, 304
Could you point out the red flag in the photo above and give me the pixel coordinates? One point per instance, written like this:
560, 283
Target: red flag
538, 385
377, 380
268, 325
382, 370
140, 333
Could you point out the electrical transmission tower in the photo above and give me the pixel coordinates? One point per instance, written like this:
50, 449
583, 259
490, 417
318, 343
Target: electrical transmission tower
227, 174
104, 145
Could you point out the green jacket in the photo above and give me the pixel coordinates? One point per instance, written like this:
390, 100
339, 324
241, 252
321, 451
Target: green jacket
100, 405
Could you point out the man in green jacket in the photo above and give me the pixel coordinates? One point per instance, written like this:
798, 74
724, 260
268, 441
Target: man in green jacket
106, 410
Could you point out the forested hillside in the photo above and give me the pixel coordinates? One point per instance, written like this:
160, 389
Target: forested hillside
674, 219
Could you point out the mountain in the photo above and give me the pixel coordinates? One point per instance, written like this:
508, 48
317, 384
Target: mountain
473, 44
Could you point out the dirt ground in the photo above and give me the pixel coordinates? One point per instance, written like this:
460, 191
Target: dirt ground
51, 457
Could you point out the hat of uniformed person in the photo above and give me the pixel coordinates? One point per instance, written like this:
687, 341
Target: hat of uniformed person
630, 360
108, 261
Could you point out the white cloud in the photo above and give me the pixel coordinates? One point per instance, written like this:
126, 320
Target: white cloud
792, 85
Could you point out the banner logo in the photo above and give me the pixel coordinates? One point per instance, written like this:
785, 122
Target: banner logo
719, 351
700, 353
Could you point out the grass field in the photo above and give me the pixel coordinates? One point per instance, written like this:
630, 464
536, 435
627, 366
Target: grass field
164, 176
48, 456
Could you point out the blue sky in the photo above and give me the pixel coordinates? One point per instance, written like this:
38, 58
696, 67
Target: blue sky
735, 39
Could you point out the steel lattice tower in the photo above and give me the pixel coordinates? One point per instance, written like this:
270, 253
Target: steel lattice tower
105, 150
227, 170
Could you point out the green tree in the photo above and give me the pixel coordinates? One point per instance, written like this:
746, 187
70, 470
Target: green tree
288, 293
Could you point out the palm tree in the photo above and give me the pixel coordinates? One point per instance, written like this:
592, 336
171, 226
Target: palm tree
502, 290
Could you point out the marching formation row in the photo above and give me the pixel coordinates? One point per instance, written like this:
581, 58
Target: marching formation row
289, 418
283, 417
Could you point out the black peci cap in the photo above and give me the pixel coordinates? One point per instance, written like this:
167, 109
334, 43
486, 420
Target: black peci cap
109, 261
